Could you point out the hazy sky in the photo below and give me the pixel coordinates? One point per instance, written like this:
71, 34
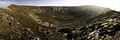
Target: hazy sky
112, 4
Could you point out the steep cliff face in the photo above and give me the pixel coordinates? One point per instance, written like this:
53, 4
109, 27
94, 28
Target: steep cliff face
42, 23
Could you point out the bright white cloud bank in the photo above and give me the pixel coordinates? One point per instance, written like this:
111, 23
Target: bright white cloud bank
112, 4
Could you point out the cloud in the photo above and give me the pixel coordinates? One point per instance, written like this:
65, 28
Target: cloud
2, 2
113, 4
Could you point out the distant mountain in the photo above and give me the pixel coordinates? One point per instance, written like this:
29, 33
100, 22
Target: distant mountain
20, 22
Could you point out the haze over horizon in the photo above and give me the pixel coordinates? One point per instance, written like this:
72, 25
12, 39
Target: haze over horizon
112, 4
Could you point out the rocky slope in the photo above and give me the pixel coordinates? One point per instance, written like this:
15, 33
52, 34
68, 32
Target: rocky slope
19, 22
